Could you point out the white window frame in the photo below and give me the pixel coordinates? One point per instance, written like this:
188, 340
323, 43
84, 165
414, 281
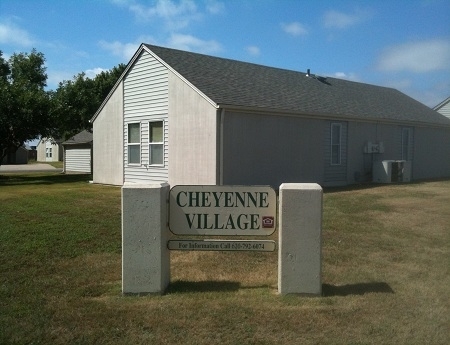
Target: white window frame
48, 152
150, 143
338, 145
134, 143
406, 146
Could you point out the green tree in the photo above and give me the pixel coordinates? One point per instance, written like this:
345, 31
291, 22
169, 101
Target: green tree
75, 101
24, 104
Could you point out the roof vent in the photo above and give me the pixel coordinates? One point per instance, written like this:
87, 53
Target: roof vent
308, 72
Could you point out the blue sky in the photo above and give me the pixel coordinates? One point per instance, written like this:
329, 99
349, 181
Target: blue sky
404, 44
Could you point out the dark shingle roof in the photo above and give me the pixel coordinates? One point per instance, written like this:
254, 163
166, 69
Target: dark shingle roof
235, 83
83, 137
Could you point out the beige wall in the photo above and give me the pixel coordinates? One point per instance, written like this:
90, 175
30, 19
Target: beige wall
192, 135
108, 141
57, 151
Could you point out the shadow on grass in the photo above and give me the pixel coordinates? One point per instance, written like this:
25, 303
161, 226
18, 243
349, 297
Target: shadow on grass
355, 289
182, 286
41, 178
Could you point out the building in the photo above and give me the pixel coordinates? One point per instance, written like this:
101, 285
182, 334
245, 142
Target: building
187, 118
78, 153
19, 156
444, 107
49, 150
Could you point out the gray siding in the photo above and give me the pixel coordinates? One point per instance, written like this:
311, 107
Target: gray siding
271, 149
431, 153
146, 99
335, 174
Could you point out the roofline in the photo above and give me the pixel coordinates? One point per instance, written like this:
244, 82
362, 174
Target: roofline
116, 85
77, 143
138, 52
440, 105
170, 68
325, 116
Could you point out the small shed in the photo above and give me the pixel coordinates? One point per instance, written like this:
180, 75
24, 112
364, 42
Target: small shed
78, 153
49, 150
20, 156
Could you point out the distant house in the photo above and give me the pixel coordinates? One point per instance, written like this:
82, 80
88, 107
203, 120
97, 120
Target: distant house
186, 118
49, 150
78, 153
444, 107
20, 156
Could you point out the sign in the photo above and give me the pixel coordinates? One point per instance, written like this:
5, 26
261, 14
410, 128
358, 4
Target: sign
222, 210
222, 245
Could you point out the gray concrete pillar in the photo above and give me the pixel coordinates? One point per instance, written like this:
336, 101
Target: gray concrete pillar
300, 242
145, 256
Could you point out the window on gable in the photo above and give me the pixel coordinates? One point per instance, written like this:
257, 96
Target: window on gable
134, 143
156, 142
336, 130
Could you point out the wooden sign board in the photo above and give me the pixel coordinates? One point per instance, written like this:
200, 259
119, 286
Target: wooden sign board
222, 245
222, 210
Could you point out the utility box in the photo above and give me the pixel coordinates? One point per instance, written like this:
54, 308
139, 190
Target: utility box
391, 171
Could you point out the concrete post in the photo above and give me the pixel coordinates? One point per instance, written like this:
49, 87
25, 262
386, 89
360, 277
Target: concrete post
145, 256
300, 244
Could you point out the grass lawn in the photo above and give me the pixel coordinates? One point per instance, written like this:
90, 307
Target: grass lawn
386, 274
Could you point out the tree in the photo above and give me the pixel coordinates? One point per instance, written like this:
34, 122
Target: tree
75, 101
24, 104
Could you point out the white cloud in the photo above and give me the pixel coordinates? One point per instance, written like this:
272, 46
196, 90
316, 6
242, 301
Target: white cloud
123, 50
339, 20
417, 57
11, 34
174, 15
348, 76
294, 29
91, 73
177, 41
191, 43
54, 77
215, 7
253, 50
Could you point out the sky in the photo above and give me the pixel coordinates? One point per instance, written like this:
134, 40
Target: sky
404, 44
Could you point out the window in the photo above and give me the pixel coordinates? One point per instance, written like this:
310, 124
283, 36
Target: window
406, 137
336, 143
134, 143
48, 152
156, 143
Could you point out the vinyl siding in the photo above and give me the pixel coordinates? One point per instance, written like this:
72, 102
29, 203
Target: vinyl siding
445, 109
77, 160
146, 100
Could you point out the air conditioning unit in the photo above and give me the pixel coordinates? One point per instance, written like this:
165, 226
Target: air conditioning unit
389, 171
374, 147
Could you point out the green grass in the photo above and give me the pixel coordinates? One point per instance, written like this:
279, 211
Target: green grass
385, 273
